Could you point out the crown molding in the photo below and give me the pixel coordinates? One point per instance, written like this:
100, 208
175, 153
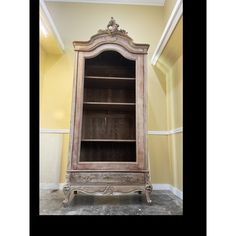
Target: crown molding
129, 2
53, 27
169, 28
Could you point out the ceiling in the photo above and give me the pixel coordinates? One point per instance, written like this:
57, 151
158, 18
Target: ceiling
130, 2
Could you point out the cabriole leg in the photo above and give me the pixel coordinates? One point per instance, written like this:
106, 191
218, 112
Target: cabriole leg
69, 194
148, 191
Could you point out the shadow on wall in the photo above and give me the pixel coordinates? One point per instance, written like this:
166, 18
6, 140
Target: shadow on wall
52, 60
160, 73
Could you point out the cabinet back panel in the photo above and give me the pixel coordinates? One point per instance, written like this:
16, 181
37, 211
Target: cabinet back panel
110, 63
108, 151
109, 95
116, 71
108, 124
109, 82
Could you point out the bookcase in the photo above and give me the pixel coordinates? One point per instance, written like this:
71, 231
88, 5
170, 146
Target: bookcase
108, 142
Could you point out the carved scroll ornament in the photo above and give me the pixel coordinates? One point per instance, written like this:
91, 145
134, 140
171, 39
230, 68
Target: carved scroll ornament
112, 28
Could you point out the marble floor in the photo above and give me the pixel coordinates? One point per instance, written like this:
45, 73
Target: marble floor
163, 203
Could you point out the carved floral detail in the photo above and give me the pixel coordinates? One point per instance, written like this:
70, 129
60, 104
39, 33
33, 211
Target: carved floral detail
113, 27
74, 166
108, 190
85, 179
105, 190
147, 179
67, 178
66, 188
107, 178
148, 187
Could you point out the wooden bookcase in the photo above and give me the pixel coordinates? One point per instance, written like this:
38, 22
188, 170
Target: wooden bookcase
108, 143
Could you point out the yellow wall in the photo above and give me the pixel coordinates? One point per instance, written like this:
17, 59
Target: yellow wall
76, 22
159, 159
42, 69
175, 142
175, 114
170, 65
175, 94
56, 102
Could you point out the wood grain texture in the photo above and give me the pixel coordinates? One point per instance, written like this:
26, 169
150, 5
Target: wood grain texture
78, 112
111, 64
108, 124
108, 151
108, 140
109, 106
108, 78
145, 114
72, 120
109, 89
140, 136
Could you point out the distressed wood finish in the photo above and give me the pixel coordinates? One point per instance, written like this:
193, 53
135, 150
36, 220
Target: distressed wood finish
108, 136
101, 178
115, 39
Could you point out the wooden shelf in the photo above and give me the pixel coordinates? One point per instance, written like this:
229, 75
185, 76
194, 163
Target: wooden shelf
109, 140
109, 106
109, 82
108, 78
108, 151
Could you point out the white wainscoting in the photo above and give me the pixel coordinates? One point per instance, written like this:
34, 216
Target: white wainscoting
51, 145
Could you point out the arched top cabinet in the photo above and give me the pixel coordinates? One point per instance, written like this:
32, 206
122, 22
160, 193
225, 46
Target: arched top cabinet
108, 142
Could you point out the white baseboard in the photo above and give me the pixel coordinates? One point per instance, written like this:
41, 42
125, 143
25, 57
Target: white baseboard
48, 186
61, 185
175, 191
169, 187
161, 187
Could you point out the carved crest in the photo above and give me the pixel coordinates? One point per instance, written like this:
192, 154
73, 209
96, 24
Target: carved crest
112, 28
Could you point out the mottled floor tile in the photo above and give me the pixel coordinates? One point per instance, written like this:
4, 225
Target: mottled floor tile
93, 210
163, 203
82, 200
121, 210
106, 200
